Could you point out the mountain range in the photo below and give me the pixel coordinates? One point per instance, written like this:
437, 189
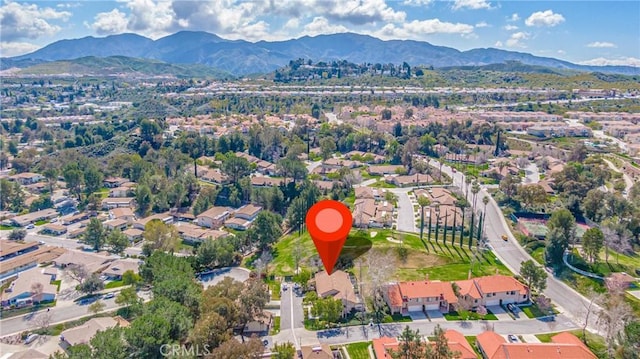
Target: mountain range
239, 57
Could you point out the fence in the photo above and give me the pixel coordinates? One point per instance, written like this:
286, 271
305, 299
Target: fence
577, 270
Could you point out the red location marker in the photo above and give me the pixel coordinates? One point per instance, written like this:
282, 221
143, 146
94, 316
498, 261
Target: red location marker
329, 223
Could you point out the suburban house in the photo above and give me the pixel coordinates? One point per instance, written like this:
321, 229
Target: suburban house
94, 262
338, 285
320, 351
125, 214
195, 234
419, 296
113, 182
118, 202
26, 178
18, 257
214, 217
133, 234
243, 217
119, 192
54, 229
381, 170
455, 341
119, 266
31, 286
261, 181
75, 218
113, 224
266, 168
260, 325
368, 213
493, 290
84, 333
417, 179
564, 345
165, 218
213, 175
336, 163
367, 157
29, 218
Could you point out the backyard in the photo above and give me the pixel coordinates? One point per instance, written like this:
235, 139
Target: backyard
358, 350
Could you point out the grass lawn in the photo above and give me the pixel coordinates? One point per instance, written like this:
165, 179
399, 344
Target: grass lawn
8, 313
439, 261
114, 284
538, 255
382, 184
595, 342
41, 222
358, 350
5, 228
472, 341
468, 315
532, 311
397, 317
57, 283
275, 329
274, 285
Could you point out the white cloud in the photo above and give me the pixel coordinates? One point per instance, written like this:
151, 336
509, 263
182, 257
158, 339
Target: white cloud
417, 2
498, 44
106, 23
482, 24
471, 4
417, 29
544, 18
599, 44
510, 27
561, 52
516, 39
292, 23
8, 49
514, 17
355, 12
29, 21
623, 61
321, 25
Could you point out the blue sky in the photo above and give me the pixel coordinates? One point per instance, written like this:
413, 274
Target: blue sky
595, 32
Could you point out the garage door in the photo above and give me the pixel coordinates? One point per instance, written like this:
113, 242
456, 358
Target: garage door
415, 308
493, 302
434, 306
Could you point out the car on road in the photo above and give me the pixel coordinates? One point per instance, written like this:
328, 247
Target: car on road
512, 338
504, 237
109, 295
31, 226
284, 287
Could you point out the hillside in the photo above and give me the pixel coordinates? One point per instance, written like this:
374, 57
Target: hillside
121, 66
242, 57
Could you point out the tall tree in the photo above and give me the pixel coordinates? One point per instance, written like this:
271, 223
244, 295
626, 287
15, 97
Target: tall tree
161, 236
534, 275
563, 221
423, 201
266, 229
235, 167
592, 243
95, 234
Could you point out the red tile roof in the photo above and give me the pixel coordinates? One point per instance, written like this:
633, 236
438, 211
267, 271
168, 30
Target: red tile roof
428, 289
500, 283
563, 346
381, 345
458, 343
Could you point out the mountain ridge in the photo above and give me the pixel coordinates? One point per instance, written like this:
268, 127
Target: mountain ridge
241, 57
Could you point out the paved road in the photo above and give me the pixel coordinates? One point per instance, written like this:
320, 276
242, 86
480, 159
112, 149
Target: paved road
532, 175
406, 218
217, 275
627, 180
569, 301
619, 142
366, 333
312, 165
291, 318
59, 314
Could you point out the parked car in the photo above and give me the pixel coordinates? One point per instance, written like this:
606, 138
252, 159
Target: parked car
512, 338
31, 226
30, 338
109, 295
504, 237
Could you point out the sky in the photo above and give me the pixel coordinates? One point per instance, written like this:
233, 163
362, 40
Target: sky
587, 32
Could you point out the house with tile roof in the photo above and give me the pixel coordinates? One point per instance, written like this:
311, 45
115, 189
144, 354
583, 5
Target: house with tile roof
419, 296
383, 346
562, 346
338, 285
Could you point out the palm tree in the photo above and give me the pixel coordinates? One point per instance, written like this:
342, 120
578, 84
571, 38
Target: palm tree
475, 188
423, 201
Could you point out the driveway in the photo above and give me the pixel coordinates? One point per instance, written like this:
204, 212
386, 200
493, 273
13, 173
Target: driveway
436, 316
499, 312
417, 315
217, 275
406, 220
532, 175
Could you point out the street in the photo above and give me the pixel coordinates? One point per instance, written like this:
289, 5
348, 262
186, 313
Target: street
406, 218
291, 317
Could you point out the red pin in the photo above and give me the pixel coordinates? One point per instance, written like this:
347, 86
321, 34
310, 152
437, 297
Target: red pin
329, 223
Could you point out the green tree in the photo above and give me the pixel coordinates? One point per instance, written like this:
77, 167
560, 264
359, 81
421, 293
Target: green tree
410, 345
556, 244
17, 234
130, 277
96, 307
266, 229
95, 234
592, 243
327, 147
563, 221
118, 241
92, 284
297, 213
73, 177
109, 344
129, 298
534, 276
532, 195
328, 309
283, 351
302, 278
161, 236
144, 198
235, 167
147, 333
93, 179
423, 201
